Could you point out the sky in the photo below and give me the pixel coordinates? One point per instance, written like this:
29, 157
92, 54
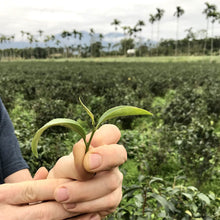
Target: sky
54, 16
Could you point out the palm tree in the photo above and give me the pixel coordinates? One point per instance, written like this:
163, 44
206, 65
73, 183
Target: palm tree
179, 12
101, 36
57, 43
125, 30
91, 34
152, 19
3, 39
11, 38
46, 41
64, 35
22, 35
116, 23
208, 12
131, 31
92, 40
80, 35
40, 34
138, 27
125, 43
30, 38
53, 40
109, 47
158, 16
214, 17
189, 36
79, 47
75, 34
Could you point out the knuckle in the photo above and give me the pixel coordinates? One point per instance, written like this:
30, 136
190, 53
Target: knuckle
29, 195
112, 202
115, 180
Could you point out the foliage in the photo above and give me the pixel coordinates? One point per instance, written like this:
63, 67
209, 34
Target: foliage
182, 139
126, 44
154, 198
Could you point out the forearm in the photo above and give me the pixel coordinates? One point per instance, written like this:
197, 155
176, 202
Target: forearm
19, 176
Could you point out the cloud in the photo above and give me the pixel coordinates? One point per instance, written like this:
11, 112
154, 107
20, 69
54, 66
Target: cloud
54, 16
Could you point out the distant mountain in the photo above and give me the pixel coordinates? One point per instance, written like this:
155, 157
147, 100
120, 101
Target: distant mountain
111, 37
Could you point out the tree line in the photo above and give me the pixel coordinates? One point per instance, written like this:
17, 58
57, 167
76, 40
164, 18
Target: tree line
69, 43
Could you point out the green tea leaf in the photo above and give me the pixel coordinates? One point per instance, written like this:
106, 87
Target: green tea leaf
163, 201
188, 213
187, 195
88, 112
68, 123
204, 198
121, 111
156, 179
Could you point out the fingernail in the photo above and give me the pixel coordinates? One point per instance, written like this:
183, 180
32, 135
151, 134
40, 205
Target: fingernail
95, 160
95, 217
61, 194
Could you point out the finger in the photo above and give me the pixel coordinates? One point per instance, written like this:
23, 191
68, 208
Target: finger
41, 173
99, 186
107, 203
91, 216
105, 135
47, 210
29, 191
65, 168
104, 157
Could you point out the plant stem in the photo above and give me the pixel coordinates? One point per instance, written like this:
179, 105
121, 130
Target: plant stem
90, 139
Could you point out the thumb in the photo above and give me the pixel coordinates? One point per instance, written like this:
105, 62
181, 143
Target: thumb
79, 150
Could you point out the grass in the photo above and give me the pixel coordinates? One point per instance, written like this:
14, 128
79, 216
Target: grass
157, 59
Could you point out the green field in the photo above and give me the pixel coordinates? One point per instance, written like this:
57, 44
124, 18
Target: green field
156, 59
173, 169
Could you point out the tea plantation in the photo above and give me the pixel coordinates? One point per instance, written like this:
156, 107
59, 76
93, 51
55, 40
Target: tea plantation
173, 167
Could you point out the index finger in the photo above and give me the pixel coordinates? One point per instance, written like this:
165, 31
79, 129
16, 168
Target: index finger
105, 135
29, 191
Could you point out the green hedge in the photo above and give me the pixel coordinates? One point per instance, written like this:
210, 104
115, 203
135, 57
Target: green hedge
182, 139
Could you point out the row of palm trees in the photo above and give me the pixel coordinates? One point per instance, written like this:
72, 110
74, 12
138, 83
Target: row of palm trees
67, 37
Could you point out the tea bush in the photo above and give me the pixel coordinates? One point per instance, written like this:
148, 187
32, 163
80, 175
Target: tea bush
182, 139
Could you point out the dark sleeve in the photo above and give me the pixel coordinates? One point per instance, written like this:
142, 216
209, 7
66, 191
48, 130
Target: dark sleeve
11, 159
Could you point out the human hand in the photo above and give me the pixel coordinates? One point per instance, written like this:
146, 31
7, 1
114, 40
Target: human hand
101, 193
16, 197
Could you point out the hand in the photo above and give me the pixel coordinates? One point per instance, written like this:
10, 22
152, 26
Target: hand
15, 199
101, 193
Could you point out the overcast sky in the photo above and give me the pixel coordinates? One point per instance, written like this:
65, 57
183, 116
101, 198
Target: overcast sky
54, 16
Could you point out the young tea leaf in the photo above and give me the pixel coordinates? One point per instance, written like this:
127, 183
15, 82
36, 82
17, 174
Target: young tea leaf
88, 112
121, 111
68, 123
